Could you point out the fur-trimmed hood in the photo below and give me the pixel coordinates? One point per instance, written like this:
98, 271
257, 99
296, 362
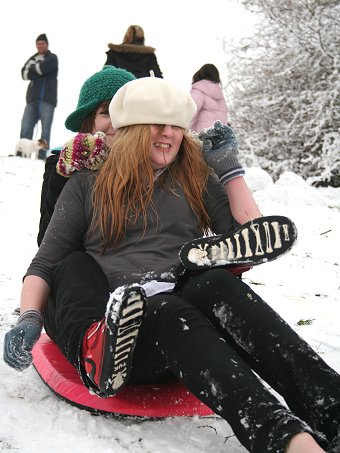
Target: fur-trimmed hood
131, 48
136, 58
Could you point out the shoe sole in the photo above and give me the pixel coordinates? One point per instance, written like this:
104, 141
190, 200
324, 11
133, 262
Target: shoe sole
123, 317
256, 242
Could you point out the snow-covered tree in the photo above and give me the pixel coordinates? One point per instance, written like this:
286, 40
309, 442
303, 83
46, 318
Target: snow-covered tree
284, 87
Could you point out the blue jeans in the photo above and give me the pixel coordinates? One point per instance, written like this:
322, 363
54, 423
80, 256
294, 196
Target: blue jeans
35, 111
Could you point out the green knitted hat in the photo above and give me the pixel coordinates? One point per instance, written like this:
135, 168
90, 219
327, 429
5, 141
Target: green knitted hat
100, 87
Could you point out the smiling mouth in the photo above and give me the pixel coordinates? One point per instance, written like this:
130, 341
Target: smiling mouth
163, 146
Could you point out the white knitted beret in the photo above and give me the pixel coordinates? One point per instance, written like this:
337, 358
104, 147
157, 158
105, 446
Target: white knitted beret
151, 100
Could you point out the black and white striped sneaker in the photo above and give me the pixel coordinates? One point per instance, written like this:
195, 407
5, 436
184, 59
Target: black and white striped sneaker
108, 345
256, 242
124, 315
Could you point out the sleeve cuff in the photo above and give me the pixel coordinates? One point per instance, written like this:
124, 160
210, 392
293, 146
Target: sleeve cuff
234, 173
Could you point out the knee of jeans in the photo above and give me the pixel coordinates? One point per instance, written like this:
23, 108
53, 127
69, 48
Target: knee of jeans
164, 306
219, 277
166, 313
220, 273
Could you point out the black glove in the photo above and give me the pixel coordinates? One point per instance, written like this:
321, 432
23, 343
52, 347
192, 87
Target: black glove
220, 151
19, 341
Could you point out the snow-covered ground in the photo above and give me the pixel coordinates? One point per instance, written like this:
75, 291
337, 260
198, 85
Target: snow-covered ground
303, 286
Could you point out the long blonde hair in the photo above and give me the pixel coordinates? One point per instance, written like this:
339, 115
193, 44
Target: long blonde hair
124, 185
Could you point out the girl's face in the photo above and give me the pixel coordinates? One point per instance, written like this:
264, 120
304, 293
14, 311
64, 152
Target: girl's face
165, 144
102, 122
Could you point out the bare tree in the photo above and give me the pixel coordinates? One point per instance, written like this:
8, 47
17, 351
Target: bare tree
284, 88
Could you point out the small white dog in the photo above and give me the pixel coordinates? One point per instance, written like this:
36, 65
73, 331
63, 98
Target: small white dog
26, 147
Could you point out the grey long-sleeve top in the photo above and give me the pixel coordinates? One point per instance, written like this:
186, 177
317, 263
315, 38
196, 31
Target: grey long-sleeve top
141, 256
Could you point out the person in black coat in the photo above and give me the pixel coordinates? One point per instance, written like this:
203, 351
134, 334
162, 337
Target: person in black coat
133, 55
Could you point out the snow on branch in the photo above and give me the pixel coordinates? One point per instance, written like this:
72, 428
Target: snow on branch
284, 88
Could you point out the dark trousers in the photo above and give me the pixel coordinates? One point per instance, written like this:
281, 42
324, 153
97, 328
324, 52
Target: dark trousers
213, 334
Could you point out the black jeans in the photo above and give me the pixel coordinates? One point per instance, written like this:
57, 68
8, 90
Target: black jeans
213, 334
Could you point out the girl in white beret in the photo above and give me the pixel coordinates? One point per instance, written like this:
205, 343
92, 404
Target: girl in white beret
132, 286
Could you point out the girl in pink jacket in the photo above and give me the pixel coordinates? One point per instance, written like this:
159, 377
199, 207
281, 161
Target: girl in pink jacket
207, 92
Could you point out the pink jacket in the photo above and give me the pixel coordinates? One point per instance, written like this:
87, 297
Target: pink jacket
210, 103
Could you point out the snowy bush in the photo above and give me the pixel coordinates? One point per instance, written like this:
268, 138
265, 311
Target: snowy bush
284, 85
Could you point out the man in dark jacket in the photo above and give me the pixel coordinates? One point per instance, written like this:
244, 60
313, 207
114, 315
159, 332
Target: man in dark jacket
41, 97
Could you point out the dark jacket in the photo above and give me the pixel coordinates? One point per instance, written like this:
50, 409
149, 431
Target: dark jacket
52, 186
143, 254
42, 71
136, 58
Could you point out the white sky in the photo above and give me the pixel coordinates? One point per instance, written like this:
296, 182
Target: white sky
302, 285
185, 36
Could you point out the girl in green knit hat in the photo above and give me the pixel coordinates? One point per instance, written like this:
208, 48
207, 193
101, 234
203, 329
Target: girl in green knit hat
85, 150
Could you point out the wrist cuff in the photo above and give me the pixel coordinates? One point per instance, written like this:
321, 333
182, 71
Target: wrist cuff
33, 314
231, 175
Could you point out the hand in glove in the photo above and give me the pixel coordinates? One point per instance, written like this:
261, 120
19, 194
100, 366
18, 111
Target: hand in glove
82, 151
220, 151
19, 341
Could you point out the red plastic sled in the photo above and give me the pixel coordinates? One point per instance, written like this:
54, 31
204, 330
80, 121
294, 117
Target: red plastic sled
151, 401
